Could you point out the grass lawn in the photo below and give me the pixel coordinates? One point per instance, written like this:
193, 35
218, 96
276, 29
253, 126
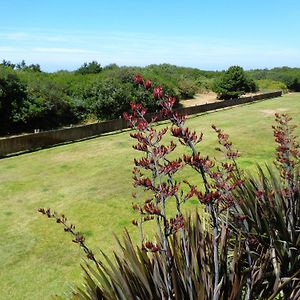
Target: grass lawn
90, 182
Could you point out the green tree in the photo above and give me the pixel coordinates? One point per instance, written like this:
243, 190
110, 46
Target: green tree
289, 76
12, 95
48, 106
89, 68
34, 68
109, 98
7, 63
21, 65
233, 83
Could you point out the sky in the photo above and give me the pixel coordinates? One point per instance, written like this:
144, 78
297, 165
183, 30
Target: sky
209, 35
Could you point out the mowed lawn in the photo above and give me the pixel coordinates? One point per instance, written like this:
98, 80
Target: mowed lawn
91, 183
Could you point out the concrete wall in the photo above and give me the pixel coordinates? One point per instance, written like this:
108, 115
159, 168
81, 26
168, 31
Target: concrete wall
32, 141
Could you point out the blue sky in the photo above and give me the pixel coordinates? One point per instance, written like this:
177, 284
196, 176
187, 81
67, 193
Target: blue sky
211, 34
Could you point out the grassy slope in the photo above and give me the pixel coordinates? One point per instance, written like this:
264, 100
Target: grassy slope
90, 182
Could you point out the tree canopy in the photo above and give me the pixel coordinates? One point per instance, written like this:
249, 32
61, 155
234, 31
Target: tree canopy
233, 83
31, 98
89, 68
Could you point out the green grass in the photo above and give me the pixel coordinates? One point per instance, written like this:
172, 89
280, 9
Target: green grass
90, 182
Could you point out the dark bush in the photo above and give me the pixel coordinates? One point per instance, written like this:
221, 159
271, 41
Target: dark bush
12, 96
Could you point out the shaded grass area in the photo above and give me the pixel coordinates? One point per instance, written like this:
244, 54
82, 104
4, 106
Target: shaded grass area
91, 183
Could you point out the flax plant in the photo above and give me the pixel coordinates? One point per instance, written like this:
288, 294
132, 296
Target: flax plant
251, 248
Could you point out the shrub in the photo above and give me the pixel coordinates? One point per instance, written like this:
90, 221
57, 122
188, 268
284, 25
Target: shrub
246, 246
47, 105
76, 91
204, 84
271, 85
12, 95
295, 86
233, 83
187, 89
110, 97
289, 76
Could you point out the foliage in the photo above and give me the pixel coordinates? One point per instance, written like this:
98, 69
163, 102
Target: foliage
7, 63
187, 89
204, 84
134, 273
184, 81
289, 76
47, 106
21, 66
89, 68
108, 98
32, 100
271, 206
65, 98
238, 253
271, 85
273, 224
85, 181
233, 83
12, 95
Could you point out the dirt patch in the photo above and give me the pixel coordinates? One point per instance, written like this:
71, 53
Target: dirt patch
200, 99
210, 97
272, 112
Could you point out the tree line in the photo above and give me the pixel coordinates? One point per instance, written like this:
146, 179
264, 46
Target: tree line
32, 99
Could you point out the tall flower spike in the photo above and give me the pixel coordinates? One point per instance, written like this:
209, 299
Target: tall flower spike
287, 151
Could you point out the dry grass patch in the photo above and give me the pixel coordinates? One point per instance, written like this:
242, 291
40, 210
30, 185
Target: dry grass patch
272, 112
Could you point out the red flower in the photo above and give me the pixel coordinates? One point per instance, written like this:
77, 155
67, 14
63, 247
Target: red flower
207, 198
150, 208
149, 246
138, 79
177, 223
171, 167
142, 125
168, 104
158, 92
148, 84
